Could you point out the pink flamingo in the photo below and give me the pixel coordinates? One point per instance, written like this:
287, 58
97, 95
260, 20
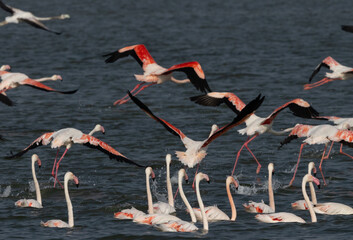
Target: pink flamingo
196, 150
255, 125
290, 217
156, 74
59, 223
27, 17
255, 207
339, 72
35, 203
68, 136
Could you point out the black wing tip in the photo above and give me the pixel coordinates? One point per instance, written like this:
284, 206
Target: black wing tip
69, 92
112, 57
347, 28
287, 140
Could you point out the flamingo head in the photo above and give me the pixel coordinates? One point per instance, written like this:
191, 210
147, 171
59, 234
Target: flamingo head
64, 16
99, 128
201, 176
5, 68
311, 178
168, 159
71, 176
149, 172
271, 168
231, 179
35, 158
57, 77
182, 173
312, 168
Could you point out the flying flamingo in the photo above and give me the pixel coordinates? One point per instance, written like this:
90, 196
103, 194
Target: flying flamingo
290, 217
213, 213
301, 204
32, 202
339, 72
156, 74
59, 223
254, 207
320, 134
13, 80
255, 125
27, 17
68, 136
196, 150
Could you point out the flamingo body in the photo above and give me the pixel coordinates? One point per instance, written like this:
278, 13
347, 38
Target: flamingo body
279, 217
128, 214
163, 208
177, 226
257, 207
213, 213
333, 208
28, 203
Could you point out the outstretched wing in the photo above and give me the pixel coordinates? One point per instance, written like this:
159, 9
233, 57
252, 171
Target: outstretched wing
138, 52
194, 73
243, 115
93, 142
299, 130
6, 7
299, 107
37, 24
217, 98
42, 140
32, 83
175, 131
6, 100
317, 69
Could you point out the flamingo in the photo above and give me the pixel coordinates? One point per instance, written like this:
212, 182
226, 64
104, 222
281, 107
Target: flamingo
339, 72
347, 28
320, 134
255, 125
32, 202
59, 223
13, 80
254, 207
301, 204
156, 74
213, 213
27, 17
196, 150
68, 136
290, 217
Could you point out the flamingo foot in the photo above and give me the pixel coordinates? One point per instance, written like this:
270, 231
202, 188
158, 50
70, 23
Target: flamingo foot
258, 169
291, 182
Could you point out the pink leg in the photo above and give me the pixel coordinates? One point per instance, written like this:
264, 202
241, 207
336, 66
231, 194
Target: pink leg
57, 167
127, 95
319, 83
56, 157
238, 154
329, 151
193, 183
320, 166
258, 164
296, 168
341, 152
124, 101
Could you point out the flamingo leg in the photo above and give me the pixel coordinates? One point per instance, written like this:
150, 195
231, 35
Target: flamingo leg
296, 168
258, 164
57, 168
320, 166
238, 154
56, 157
193, 183
124, 101
341, 152
319, 83
329, 151
127, 95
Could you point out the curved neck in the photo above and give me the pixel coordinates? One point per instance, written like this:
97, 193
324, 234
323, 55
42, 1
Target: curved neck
270, 192
179, 81
307, 200
312, 193
185, 200
36, 184
169, 187
69, 205
149, 195
231, 202
202, 207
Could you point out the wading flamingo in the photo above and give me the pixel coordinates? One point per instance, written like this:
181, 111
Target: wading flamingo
254, 207
301, 204
156, 74
27, 17
290, 217
339, 72
68, 136
255, 125
59, 223
196, 150
32, 202
12, 80
213, 213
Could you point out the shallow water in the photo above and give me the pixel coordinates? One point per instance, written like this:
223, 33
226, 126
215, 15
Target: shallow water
246, 47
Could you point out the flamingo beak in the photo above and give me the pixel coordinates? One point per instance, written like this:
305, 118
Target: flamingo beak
102, 129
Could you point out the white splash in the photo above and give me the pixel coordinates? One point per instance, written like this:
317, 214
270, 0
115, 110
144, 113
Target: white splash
6, 192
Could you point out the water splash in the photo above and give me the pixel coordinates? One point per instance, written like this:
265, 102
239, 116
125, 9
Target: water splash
6, 192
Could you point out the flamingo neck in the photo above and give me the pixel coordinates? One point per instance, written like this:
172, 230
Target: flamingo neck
307, 200
202, 207
231, 201
312, 193
179, 81
183, 197
69, 204
279, 133
169, 187
149, 195
270, 191
43, 79
36, 184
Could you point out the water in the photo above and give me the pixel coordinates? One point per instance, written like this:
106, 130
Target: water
246, 47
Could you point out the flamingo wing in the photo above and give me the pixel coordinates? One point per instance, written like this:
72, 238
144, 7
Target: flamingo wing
343, 136
4, 99
175, 131
298, 106
217, 98
194, 73
93, 142
37, 24
6, 7
32, 83
299, 130
243, 115
42, 140
317, 69
347, 28
138, 52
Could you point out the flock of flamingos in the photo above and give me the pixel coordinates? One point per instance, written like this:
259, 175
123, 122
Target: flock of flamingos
160, 214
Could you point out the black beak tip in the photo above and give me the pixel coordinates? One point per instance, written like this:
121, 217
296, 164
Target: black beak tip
153, 179
314, 174
77, 185
39, 166
208, 182
187, 181
318, 186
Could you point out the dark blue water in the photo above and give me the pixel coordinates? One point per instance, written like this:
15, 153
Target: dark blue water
245, 47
